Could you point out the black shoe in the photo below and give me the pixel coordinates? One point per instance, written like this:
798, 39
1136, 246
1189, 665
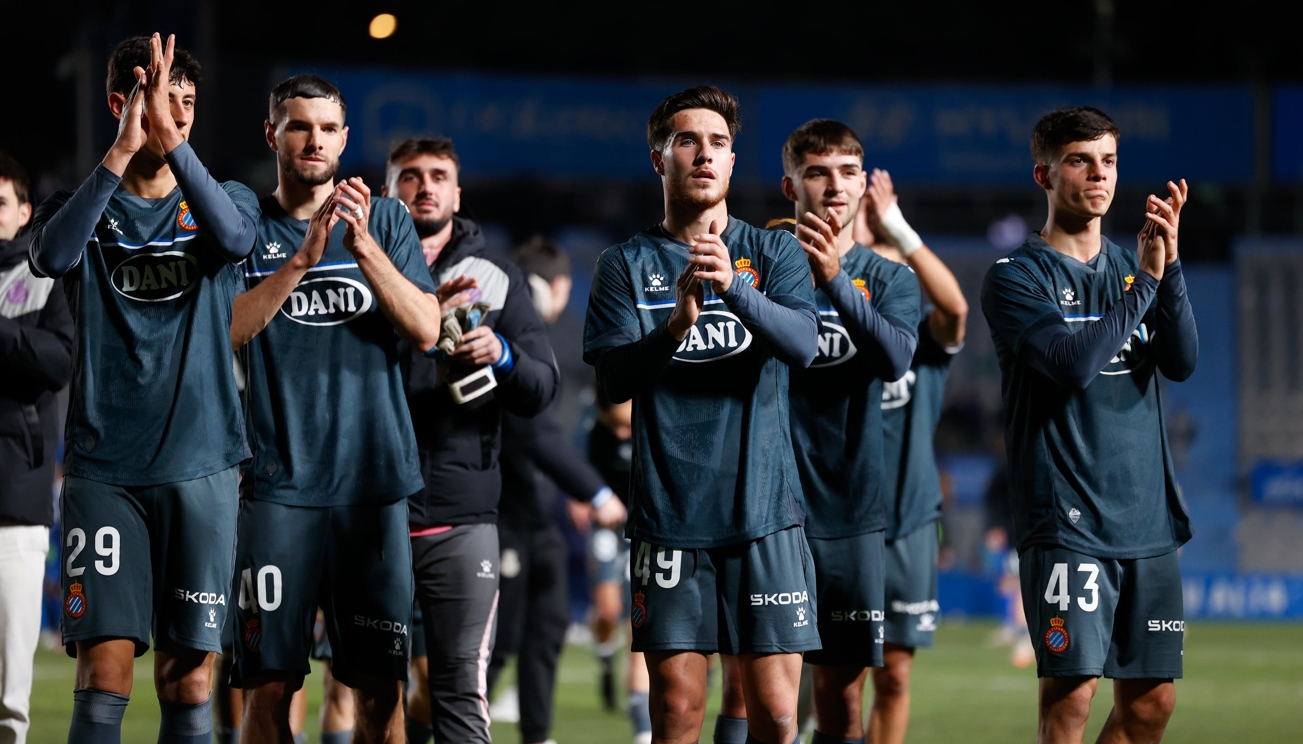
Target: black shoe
608, 685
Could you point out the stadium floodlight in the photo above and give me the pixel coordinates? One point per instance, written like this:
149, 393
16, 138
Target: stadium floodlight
383, 26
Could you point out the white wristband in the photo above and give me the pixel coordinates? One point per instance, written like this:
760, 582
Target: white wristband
898, 232
602, 496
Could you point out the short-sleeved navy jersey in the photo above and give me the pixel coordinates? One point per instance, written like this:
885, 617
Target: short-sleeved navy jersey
1089, 470
911, 408
154, 398
328, 416
712, 461
837, 405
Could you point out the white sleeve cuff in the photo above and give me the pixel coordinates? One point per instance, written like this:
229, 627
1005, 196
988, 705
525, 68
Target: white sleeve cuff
603, 496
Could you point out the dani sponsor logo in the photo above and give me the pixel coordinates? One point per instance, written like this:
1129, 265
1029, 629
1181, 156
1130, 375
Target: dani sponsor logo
718, 334
327, 301
156, 277
835, 345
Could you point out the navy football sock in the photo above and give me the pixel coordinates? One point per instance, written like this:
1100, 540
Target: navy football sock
223, 735
97, 717
825, 739
640, 712
417, 732
337, 737
731, 730
301, 737
753, 740
185, 724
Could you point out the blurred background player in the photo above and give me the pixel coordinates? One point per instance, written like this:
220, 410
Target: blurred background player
148, 247
698, 318
610, 450
1082, 329
452, 521
36, 333
911, 408
534, 609
338, 704
324, 520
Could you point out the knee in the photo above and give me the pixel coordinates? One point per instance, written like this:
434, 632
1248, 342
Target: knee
185, 678
1150, 712
891, 681
677, 705
1068, 707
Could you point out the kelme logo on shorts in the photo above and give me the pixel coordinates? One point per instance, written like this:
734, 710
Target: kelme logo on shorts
717, 335
155, 277
327, 301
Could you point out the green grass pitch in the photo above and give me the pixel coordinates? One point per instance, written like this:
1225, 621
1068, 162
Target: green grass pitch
1243, 683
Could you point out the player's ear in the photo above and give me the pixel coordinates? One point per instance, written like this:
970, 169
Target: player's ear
1041, 174
789, 188
343, 139
24, 213
456, 201
658, 163
117, 102
269, 131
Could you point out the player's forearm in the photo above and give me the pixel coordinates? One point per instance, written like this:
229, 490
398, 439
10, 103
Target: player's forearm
531, 385
413, 313
792, 333
1176, 339
947, 298
890, 348
57, 243
626, 370
254, 309
231, 231
1073, 359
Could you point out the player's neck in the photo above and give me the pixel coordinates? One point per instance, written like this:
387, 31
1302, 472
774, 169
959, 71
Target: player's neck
148, 177
299, 200
682, 221
1072, 235
433, 245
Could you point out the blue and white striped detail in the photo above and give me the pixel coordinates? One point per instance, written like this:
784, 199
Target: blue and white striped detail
174, 241
318, 267
1081, 318
670, 303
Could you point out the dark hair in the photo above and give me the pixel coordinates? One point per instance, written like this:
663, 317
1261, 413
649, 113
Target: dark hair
11, 171
820, 137
410, 148
1075, 124
304, 86
660, 127
541, 256
133, 53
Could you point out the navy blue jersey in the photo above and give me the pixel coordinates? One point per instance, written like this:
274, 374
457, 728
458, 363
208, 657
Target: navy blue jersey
712, 460
911, 408
837, 401
1089, 464
327, 412
153, 397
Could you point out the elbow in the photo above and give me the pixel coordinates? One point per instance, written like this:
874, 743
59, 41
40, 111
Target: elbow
1179, 372
900, 367
803, 355
1077, 381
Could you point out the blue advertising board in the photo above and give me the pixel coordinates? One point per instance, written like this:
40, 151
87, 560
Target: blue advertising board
566, 128
1277, 483
1287, 134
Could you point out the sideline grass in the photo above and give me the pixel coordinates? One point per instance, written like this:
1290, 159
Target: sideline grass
1243, 683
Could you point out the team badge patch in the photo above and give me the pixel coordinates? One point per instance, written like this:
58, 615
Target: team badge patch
860, 285
185, 220
638, 613
1056, 638
746, 273
252, 635
75, 605
1129, 279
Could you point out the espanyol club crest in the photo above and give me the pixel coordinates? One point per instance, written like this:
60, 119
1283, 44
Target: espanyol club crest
746, 273
184, 219
638, 613
252, 635
1056, 638
864, 290
75, 605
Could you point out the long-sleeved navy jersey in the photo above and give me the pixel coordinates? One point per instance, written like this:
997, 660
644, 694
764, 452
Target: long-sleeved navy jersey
1080, 348
328, 416
713, 461
869, 314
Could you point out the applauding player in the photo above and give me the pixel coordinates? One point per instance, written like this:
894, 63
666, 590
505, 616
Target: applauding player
336, 279
155, 431
698, 319
1082, 328
911, 408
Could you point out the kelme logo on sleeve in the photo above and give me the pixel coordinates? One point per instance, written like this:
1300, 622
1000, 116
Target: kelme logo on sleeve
155, 277
717, 335
327, 301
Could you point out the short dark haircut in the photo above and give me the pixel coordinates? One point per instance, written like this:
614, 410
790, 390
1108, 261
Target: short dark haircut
304, 86
133, 53
1075, 124
438, 146
12, 172
542, 257
660, 127
819, 137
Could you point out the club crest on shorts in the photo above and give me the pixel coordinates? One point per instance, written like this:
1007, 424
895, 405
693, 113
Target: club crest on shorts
746, 273
185, 220
252, 635
75, 605
1056, 638
860, 284
638, 613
